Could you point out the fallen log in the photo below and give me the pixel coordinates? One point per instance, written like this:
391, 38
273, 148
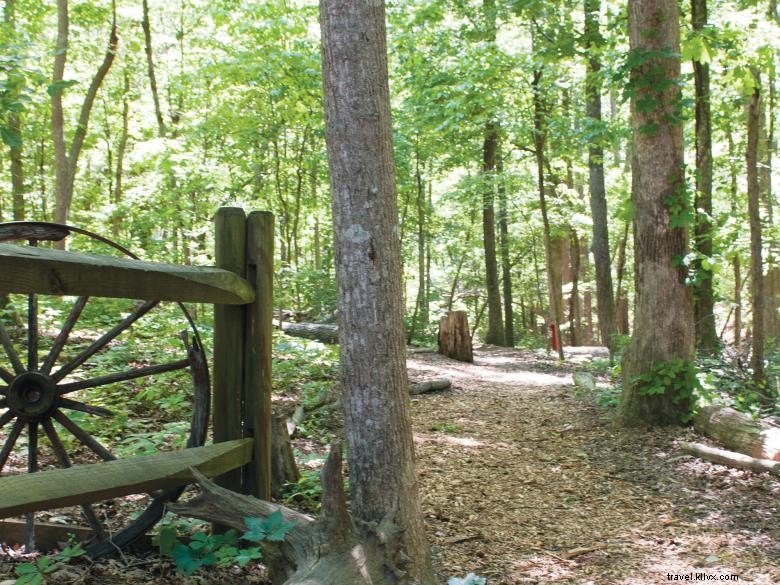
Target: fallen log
331, 550
730, 458
317, 331
738, 432
429, 386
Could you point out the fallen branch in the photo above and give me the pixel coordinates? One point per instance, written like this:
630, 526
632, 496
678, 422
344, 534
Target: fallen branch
429, 386
730, 458
738, 432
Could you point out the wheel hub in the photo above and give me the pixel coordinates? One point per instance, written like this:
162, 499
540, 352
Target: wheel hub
32, 396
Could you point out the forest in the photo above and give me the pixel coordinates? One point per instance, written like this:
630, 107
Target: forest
525, 275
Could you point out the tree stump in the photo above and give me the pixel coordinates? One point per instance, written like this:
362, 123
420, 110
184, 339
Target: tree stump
454, 337
283, 467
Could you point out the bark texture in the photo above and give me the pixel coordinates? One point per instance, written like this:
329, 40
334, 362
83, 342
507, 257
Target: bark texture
383, 482
15, 127
605, 297
454, 337
664, 328
738, 432
704, 302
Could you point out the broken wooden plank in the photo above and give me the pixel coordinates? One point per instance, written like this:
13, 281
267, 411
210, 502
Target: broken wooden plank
24, 269
83, 484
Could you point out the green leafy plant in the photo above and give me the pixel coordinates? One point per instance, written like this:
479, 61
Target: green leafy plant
677, 377
42, 570
306, 492
446, 427
222, 550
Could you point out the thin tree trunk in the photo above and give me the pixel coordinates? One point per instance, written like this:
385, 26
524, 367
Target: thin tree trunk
146, 25
506, 267
575, 328
67, 162
553, 289
664, 336
605, 297
15, 128
495, 326
383, 483
420, 203
704, 302
756, 264
622, 294
116, 198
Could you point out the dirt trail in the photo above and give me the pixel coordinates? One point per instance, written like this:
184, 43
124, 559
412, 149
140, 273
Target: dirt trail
523, 481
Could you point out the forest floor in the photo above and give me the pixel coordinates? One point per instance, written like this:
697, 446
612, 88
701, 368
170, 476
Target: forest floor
525, 479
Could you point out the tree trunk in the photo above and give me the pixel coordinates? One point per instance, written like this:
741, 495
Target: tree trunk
318, 331
553, 287
621, 317
664, 329
15, 127
605, 297
506, 266
738, 432
704, 302
420, 306
116, 196
383, 482
454, 337
146, 25
283, 468
495, 326
66, 163
756, 264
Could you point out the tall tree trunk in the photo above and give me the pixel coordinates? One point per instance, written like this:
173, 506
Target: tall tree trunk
146, 25
704, 303
756, 264
66, 159
383, 482
575, 318
420, 314
663, 337
605, 297
506, 266
15, 127
495, 326
553, 288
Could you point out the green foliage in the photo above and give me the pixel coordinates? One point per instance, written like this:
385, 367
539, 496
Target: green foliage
42, 569
676, 379
306, 493
222, 550
470, 579
446, 428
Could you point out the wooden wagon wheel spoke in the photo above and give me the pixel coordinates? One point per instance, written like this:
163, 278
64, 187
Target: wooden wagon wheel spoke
103, 340
5, 340
82, 407
6, 417
83, 436
64, 334
123, 376
64, 460
5, 452
32, 332
6, 376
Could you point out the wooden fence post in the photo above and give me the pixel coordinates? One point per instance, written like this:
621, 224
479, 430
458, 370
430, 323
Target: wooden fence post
257, 357
230, 252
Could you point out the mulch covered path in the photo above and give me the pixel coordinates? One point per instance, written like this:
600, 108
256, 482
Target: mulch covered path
525, 480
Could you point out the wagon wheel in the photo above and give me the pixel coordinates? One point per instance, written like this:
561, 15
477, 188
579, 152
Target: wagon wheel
37, 391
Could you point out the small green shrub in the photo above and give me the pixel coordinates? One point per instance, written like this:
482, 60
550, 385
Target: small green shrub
446, 428
41, 571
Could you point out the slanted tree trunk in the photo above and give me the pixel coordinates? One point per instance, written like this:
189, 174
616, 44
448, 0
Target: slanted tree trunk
383, 482
664, 329
756, 263
605, 297
146, 25
66, 158
704, 302
454, 337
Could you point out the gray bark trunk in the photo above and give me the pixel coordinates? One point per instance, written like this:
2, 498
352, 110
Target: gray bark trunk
383, 482
605, 297
150, 67
663, 330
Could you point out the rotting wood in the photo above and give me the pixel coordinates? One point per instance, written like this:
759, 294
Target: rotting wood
331, 550
45, 271
283, 468
454, 337
429, 386
323, 332
738, 432
83, 484
731, 458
